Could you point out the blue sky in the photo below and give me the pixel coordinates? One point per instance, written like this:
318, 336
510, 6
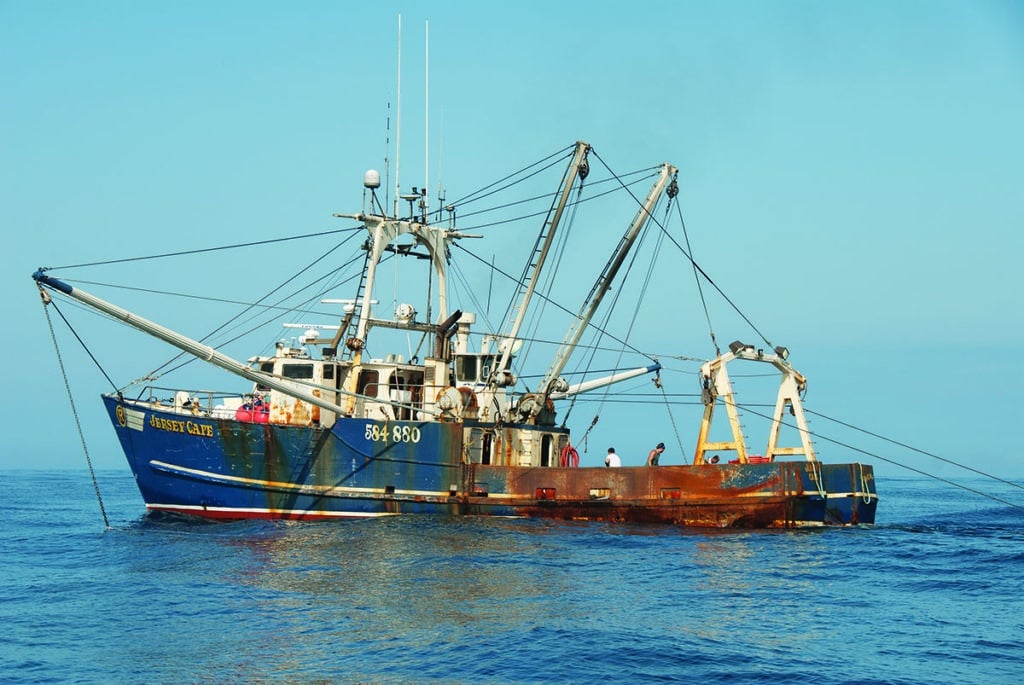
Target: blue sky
850, 171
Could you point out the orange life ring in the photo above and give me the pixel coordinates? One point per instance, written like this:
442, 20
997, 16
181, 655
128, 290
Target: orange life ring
569, 457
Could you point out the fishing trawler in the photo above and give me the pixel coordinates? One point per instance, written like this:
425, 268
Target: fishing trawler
327, 430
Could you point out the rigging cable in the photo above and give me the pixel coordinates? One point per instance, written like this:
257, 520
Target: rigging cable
672, 191
162, 369
530, 280
896, 463
546, 284
521, 283
187, 296
545, 296
700, 290
548, 161
593, 350
74, 410
600, 330
647, 173
657, 383
549, 301
200, 250
915, 449
614, 302
725, 297
82, 343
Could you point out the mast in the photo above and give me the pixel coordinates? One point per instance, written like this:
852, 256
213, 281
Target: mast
384, 231
398, 117
426, 118
552, 382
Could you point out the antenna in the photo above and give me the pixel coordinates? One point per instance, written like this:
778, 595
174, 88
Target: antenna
426, 116
440, 169
398, 115
387, 161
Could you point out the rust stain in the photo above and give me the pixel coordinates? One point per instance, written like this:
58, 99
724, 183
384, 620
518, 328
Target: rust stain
706, 496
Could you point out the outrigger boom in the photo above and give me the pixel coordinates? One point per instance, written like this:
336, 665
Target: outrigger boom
182, 342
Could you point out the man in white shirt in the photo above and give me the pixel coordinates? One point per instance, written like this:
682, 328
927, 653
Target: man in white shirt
612, 460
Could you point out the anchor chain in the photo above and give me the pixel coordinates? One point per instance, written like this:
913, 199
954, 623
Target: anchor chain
45, 296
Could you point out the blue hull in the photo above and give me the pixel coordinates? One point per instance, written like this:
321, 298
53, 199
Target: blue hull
223, 468
228, 469
851, 493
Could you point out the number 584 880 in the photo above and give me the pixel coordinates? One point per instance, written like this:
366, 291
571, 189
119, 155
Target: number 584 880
382, 433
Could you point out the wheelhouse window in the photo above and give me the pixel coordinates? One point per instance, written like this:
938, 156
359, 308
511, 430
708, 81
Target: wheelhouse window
297, 371
368, 382
475, 368
265, 367
467, 368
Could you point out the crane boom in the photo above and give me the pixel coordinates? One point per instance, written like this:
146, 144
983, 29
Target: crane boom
551, 383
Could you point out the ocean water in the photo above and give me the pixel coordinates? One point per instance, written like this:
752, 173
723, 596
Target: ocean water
934, 593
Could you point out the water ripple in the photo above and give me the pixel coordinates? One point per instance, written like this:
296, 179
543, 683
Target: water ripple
931, 594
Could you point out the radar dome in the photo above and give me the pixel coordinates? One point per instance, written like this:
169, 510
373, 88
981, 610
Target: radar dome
371, 179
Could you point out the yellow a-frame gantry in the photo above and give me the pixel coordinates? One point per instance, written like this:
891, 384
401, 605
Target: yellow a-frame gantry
716, 385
